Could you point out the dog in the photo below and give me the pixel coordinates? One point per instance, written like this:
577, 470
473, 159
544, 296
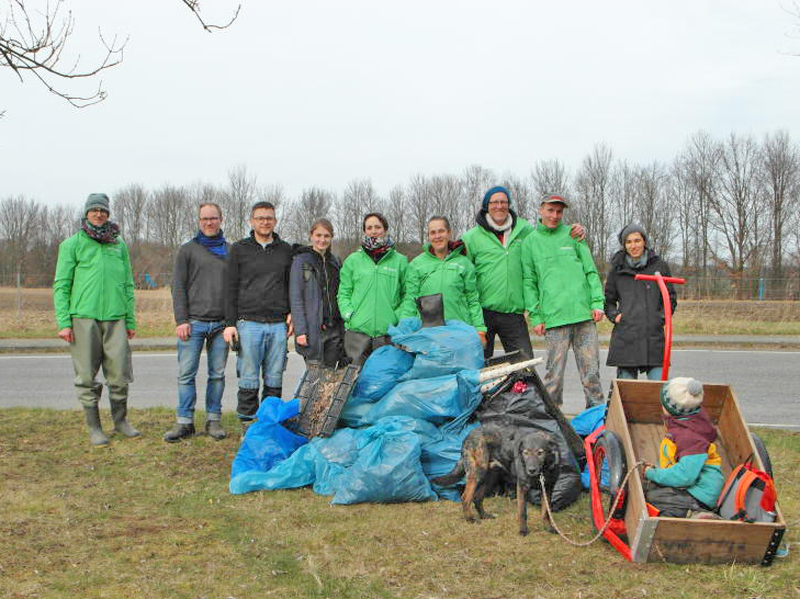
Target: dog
520, 453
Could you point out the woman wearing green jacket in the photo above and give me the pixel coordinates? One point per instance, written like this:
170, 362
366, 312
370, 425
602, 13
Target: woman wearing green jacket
93, 298
371, 289
443, 267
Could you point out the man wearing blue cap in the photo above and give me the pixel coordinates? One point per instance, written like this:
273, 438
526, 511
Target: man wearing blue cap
494, 247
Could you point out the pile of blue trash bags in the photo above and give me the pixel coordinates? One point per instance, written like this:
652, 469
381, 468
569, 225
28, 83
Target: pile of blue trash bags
404, 424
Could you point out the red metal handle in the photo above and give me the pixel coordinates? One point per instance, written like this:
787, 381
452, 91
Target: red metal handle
662, 285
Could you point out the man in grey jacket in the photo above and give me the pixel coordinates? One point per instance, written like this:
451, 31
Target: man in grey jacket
198, 301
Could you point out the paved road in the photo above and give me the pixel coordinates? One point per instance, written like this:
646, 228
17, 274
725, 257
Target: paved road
765, 382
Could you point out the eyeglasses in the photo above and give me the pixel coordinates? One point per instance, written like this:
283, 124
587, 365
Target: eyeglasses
209, 219
264, 219
498, 203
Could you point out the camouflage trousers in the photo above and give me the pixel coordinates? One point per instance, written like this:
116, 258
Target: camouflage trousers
582, 336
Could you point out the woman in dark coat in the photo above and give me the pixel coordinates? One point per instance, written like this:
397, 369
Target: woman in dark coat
635, 307
313, 284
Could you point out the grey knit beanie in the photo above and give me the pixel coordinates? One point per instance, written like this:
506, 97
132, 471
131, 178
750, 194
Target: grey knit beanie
682, 396
631, 228
97, 200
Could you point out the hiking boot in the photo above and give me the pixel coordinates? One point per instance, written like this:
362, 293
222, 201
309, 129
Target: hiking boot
96, 435
119, 412
178, 432
214, 430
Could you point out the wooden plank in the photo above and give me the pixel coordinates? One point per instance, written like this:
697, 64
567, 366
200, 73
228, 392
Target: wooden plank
679, 540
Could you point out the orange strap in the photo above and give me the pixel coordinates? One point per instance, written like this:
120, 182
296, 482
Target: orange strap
744, 484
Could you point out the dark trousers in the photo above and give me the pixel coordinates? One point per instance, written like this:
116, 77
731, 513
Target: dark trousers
358, 346
329, 350
512, 330
672, 502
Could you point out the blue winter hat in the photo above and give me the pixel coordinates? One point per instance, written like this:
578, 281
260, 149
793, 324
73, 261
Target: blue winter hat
492, 191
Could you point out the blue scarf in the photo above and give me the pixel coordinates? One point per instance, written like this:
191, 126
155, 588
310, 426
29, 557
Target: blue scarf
215, 245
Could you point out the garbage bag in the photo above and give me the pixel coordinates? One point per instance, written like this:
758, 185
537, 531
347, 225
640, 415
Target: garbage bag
387, 470
439, 458
439, 350
377, 377
437, 400
267, 442
585, 424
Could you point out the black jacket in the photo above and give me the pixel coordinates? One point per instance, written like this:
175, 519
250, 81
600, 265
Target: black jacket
314, 283
258, 281
638, 340
198, 284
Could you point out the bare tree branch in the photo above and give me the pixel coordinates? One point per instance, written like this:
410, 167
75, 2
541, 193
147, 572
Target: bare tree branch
194, 6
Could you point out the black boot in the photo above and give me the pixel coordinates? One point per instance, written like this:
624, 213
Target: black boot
96, 435
247, 403
178, 432
119, 412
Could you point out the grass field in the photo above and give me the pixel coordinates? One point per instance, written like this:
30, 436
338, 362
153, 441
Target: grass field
143, 518
34, 318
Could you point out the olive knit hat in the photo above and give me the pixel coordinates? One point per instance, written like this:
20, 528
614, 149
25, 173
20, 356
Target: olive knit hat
682, 396
98, 201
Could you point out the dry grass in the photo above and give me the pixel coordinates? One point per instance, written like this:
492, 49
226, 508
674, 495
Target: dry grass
154, 315
148, 519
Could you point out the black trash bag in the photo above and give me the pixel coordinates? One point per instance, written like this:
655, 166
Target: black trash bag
528, 410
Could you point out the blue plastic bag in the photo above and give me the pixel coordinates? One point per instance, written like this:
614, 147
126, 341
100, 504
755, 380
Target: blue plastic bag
439, 350
377, 377
436, 400
267, 442
387, 470
589, 420
440, 457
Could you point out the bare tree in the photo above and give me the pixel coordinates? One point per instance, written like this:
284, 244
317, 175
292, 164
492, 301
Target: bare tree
34, 40
592, 184
523, 202
129, 206
358, 198
396, 210
166, 212
19, 221
549, 177
445, 199
238, 198
475, 181
653, 210
781, 169
419, 201
624, 181
313, 203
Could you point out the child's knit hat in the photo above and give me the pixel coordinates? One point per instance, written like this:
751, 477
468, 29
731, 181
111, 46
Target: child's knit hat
682, 396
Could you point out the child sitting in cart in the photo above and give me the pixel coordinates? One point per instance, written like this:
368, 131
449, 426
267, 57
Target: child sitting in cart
688, 479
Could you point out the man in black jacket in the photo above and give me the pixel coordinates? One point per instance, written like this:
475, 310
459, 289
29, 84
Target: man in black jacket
257, 309
198, 301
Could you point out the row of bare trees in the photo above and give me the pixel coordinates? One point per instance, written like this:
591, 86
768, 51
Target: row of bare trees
723, 208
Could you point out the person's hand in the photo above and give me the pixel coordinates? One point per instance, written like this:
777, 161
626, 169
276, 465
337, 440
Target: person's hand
229, 334
183, 331
597, 315
131, 333
66, 335
618, 318
302, 340
289, 326
539, 329
577, 232
482, 336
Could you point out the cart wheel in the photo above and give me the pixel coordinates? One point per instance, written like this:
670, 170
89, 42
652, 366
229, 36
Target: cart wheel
608, 449
762, 452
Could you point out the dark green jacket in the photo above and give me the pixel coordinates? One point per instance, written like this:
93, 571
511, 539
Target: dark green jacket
93, 280
560, 279
370, 294
498, 269
453, 277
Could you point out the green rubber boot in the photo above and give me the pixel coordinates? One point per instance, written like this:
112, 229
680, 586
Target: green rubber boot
119, 412
96, 435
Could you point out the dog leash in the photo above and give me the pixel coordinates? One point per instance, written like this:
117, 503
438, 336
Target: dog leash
636, 466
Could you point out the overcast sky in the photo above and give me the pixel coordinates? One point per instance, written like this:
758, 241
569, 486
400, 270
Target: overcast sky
318, 93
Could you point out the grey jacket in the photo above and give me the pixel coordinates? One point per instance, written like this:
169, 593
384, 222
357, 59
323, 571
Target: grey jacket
198, 284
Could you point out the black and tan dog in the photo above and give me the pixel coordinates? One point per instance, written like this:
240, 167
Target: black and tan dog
521, 454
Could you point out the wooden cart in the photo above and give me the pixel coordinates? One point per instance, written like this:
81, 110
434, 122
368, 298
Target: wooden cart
634, 415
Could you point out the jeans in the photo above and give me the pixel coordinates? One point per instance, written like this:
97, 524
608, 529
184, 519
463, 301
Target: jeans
189, 352
262, 353
632, 372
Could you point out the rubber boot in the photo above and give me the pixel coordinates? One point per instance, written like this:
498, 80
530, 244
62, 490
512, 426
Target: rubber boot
96, 435
179, 431
272, 392
119, 411
214, 430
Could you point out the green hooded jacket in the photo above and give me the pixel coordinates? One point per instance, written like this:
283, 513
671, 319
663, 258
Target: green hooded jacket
370, 294
453, 277
560, 279
93, 280
498, 269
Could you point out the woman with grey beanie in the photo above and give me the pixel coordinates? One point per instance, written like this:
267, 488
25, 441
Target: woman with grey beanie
635, 307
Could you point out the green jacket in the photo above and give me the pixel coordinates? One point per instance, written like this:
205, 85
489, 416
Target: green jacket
560, 279
370, 294
498, 269
93, 280
453, 277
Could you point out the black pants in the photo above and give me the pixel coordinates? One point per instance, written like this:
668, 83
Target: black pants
512, 330
672, 502
358, 346
329, 349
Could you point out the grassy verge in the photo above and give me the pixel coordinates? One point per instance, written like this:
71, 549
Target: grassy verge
146, 519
